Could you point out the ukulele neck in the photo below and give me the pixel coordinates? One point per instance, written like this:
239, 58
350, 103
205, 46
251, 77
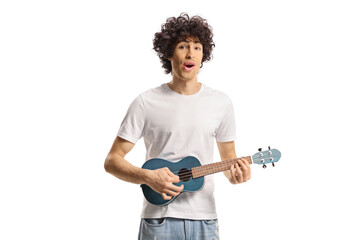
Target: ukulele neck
215, 167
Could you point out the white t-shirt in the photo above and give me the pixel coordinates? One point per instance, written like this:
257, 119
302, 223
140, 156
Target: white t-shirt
175, 126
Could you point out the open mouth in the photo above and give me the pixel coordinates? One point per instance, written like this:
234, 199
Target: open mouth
189, 66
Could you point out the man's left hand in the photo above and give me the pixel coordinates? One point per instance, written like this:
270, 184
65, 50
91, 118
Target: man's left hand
240, 172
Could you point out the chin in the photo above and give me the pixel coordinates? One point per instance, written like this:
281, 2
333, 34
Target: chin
187, 79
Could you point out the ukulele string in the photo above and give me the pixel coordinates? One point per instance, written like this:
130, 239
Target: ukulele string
183, 175
187, 174
190, 171
177, 172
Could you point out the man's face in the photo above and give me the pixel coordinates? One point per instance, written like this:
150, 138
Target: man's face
186, 59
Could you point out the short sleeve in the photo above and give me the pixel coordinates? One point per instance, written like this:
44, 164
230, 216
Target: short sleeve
226, 131
132, 126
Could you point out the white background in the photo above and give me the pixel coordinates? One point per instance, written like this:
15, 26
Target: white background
70, 69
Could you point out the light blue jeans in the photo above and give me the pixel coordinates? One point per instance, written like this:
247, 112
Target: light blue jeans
178, 229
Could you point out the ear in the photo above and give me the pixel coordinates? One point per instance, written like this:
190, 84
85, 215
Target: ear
169, 58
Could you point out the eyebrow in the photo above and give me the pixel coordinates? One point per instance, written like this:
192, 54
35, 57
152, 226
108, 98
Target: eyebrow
191, 41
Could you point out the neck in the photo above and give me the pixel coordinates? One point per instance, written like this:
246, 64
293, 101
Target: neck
185, 87
215, 167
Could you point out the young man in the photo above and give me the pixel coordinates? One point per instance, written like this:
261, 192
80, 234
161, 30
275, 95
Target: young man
178, 119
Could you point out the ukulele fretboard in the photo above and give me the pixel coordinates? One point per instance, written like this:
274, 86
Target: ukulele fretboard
215, 167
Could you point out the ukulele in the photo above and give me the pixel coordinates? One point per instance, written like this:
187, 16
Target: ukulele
191, 173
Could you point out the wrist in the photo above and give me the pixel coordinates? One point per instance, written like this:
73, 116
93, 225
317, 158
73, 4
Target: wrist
146, 173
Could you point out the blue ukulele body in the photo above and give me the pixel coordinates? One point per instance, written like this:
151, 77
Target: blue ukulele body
184, 166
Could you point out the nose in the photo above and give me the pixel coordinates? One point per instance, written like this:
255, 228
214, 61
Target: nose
189, 54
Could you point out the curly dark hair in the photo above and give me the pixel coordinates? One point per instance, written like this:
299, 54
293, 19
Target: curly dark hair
178, 29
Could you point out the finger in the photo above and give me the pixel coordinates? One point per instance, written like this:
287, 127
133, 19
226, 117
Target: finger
171, 192
165, 197
233, 177
245, 169
174, 178
242, 166
176, 188
239, 178
245, 161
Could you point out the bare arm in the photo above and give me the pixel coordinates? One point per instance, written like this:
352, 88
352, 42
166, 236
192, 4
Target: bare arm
160, 180
116, 165
241, 171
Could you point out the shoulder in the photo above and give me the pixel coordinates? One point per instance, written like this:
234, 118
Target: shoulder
216, 94
153, 92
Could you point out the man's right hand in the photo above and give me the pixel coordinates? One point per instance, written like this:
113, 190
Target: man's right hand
161, 181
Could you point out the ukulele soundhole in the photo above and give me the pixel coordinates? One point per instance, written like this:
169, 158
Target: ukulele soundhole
184, 174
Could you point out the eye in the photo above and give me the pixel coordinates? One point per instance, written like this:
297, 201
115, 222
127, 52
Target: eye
182, 47
198, 48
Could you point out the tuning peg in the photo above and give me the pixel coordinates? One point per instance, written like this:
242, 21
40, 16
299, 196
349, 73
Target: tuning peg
269, 147
260, 149
273, 164
264, 166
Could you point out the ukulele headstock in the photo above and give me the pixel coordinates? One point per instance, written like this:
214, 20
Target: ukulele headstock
271, 155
